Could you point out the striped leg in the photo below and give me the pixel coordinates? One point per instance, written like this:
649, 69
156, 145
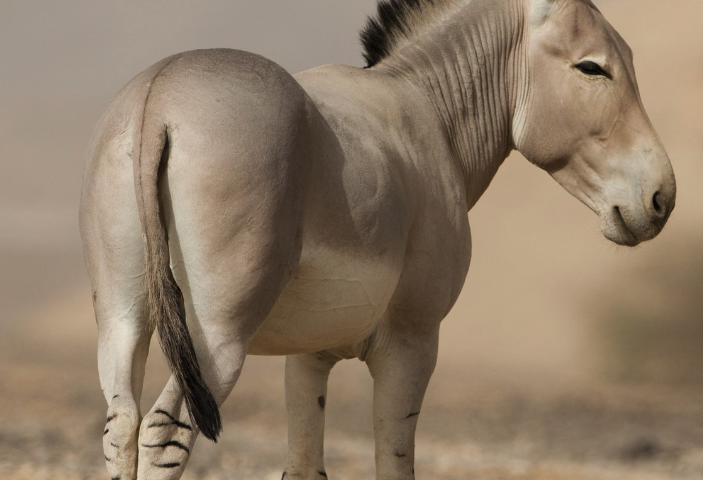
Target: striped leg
166, 437
306, 396
123, 346
167, 434
224, 310
114, 254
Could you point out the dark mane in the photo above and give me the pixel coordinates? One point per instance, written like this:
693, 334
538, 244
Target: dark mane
392, 21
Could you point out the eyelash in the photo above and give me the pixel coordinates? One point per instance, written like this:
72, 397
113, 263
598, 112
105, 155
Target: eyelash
592, 69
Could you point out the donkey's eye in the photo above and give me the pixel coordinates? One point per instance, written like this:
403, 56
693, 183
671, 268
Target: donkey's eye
592, 68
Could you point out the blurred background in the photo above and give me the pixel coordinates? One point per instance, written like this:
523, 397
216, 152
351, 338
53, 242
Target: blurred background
566, 357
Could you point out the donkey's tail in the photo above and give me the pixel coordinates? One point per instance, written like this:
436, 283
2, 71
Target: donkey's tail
165, 299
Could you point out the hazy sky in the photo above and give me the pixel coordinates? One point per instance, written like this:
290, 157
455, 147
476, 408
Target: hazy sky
63, 61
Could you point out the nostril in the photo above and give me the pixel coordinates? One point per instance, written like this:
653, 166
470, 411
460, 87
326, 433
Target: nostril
656, 203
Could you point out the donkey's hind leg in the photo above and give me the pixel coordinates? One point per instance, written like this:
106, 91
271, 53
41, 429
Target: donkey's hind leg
123, 346
166, 436
230, 278
167, 433
221, 333
115, 261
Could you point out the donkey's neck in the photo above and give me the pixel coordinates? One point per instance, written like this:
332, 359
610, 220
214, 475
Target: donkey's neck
469, 66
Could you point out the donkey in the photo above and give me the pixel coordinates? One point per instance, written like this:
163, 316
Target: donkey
323, 216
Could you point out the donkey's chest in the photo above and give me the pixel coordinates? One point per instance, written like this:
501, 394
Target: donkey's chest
334, 299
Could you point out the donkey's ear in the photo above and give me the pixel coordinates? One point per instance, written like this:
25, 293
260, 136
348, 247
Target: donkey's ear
541, 10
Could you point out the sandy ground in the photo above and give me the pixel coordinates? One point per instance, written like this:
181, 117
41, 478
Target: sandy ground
564, 358
472, 426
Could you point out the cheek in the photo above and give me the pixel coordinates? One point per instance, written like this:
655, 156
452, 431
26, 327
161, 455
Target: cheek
550, 123
564, 114
600, 112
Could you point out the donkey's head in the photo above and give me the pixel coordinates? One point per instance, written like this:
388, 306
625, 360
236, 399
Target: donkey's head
579, 117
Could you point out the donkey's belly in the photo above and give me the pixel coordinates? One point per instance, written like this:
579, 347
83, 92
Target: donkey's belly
331, 301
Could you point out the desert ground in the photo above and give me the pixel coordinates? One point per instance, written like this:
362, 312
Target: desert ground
566, 358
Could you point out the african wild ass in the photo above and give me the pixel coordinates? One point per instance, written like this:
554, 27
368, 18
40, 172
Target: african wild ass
323, 216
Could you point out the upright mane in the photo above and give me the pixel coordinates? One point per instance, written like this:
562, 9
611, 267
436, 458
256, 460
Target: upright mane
397, 21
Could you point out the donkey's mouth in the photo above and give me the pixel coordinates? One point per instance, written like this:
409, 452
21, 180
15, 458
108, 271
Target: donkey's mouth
619, 232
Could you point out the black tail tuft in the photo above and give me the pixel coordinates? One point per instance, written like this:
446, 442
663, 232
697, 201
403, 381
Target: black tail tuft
180, 353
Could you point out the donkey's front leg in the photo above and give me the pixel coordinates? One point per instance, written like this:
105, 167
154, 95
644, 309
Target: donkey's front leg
401, 362
306, 396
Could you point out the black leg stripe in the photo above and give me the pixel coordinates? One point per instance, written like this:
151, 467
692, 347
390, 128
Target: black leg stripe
168, 424
167, 465
172, 443
163, 412
173, 420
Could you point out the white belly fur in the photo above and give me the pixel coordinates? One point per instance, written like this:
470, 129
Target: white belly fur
333, 300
